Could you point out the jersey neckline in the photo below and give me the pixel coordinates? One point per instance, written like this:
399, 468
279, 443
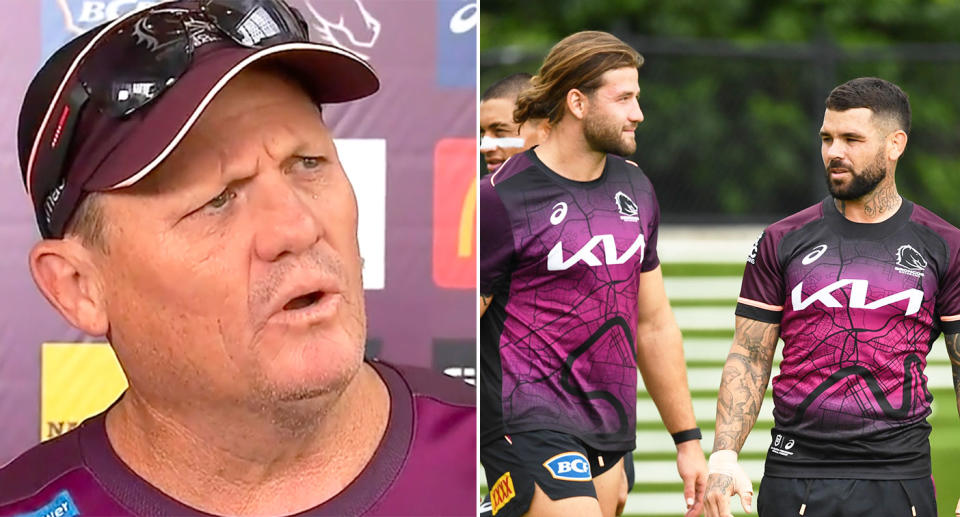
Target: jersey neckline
851, 229
553, 175
142, 498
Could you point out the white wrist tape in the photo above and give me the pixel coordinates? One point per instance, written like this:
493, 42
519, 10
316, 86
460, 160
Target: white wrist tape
725, 462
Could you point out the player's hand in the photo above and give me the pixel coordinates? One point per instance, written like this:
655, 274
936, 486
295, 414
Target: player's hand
726, 479
693, 471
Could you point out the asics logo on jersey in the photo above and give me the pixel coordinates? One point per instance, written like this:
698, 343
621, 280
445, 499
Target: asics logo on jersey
555, 261
814, 255
559, 213
858, 297
569, 466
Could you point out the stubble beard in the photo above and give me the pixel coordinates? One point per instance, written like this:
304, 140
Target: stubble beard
606, 136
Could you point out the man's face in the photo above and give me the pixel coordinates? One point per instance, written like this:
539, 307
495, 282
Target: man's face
852, 147
613, 113
496, 121
233, 271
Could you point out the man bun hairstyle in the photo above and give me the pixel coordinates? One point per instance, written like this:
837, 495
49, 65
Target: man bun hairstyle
882, 97
577, 61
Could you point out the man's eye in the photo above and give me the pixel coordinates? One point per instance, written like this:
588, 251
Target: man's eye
310, 162
222, 199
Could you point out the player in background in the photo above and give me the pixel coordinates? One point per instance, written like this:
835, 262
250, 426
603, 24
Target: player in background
858, 286
572, 297
497, 105
500, 136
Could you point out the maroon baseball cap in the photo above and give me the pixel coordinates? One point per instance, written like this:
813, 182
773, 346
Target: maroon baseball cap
100, 151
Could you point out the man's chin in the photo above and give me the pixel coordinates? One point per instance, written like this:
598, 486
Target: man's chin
311, 372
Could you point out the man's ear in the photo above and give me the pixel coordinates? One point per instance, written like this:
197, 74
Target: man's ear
896, 144
577, 103
67, 276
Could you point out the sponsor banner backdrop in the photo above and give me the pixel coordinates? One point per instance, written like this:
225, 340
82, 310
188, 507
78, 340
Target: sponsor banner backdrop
411, 142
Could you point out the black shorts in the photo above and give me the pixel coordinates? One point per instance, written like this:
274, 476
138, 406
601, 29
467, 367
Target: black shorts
784, 497
560, 464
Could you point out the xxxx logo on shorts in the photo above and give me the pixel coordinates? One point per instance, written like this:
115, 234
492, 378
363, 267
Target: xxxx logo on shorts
569, 466
502, 492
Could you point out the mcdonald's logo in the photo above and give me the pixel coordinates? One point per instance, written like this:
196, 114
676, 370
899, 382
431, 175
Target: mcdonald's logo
455, 213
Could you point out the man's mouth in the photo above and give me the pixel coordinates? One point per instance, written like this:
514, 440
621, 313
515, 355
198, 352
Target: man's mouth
493, 165
303, 301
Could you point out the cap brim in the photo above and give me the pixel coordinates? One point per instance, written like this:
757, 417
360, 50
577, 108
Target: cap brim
330, 75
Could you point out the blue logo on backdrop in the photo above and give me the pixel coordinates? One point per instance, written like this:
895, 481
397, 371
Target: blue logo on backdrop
457, 43
61, 506
569, 466
63, 20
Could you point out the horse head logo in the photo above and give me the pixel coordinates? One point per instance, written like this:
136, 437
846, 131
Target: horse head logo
909, 258
345, 23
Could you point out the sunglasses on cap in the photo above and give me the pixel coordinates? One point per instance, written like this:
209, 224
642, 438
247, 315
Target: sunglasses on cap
133, 64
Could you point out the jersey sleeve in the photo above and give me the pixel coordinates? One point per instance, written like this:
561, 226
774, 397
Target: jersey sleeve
948, 299
762, 290
650, 257
496, 241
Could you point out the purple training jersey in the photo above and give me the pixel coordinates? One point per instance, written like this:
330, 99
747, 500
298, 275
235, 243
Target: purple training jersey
430, 442
859, 306
562, 260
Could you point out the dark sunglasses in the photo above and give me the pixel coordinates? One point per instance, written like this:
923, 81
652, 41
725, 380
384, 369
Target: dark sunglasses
134, 64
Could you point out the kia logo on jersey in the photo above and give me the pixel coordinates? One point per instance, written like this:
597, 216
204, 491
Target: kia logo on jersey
858, 297
608, 245
569, 466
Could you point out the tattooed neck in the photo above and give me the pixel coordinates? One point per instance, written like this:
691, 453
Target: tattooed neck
876, 206
882, 201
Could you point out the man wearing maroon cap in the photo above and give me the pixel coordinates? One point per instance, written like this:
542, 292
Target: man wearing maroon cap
194, 212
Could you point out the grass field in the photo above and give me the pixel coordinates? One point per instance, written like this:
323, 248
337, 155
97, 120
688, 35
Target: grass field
703, 297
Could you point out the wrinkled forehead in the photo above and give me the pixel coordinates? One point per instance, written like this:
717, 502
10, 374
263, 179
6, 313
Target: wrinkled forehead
258, 110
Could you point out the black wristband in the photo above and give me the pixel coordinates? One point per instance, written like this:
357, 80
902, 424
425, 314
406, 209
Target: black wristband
686, 436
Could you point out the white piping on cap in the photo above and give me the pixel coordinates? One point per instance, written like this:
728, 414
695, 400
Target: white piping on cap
63, 84
219, 86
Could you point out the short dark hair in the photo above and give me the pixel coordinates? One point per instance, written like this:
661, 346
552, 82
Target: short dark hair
879, 96
507, 88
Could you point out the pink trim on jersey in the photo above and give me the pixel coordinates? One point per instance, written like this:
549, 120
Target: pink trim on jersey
500, 168
955, 317
759, 305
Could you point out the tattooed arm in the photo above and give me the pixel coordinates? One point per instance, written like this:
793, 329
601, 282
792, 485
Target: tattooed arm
953, 350
745, 377
484, 303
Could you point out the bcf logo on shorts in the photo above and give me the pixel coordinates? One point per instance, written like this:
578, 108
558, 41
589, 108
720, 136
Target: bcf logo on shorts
569, 466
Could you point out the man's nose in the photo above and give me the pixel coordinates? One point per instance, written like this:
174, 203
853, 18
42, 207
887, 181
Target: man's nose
286, 222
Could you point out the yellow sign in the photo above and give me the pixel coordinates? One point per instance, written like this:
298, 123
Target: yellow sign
502, 492
78, 380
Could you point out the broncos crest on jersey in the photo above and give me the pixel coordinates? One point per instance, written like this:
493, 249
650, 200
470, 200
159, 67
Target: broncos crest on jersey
562, 260
860, 306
